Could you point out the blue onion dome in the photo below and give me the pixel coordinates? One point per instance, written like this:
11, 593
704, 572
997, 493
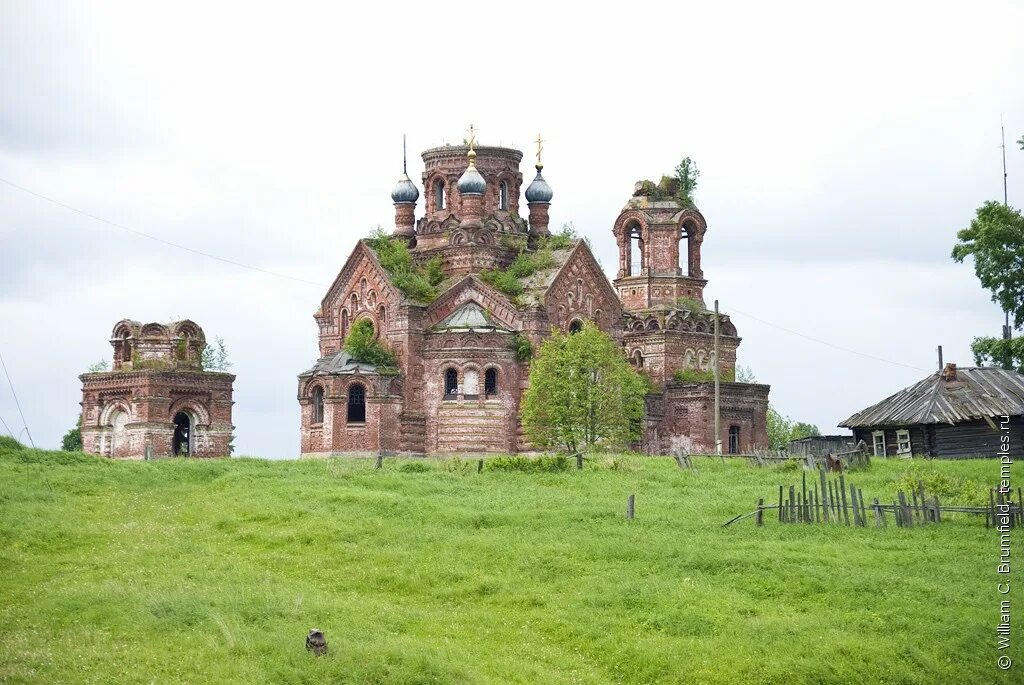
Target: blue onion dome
471, 182
405, 191
539, 190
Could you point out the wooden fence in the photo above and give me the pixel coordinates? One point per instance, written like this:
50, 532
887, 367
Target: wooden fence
840, 461
831, 501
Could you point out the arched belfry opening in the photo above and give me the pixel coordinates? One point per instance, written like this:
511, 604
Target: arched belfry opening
636, 256
181, 443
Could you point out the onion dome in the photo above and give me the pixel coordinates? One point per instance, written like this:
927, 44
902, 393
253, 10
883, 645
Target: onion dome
405, 191
471, 182
539, 190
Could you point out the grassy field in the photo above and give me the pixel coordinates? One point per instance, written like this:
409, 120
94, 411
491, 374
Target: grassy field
213, 571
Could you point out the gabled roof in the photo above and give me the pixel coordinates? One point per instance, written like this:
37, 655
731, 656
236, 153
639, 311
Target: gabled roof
340, 363
470, 317
972, 393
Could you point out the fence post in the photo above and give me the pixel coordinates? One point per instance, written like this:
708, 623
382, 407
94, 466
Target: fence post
380, 461
760, 511
579, 460
842, 494
630, 506
780, 504
480, 466
824, 496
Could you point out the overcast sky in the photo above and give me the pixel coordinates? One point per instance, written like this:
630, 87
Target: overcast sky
840, 149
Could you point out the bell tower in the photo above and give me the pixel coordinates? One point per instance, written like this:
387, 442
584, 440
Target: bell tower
659, 251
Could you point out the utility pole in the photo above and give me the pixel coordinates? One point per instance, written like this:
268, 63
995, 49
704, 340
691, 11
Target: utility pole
718, 397
1007, 331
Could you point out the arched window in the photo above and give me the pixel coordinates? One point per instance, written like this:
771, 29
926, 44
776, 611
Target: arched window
451, 383
491, 382
503, 195
575, 327
638, 359
439, 195
382, 314
734, 439
126, 348
344, 323
356, 403
318, 404
355, 303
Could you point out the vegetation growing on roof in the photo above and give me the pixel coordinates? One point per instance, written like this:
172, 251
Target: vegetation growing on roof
416, 283
523, 348
363, 347
679, 187
527, 263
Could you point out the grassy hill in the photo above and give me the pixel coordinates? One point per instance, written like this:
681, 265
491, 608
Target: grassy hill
213, 571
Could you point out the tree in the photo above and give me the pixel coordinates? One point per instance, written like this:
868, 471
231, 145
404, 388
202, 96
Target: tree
995, 239
72, 440
1006, 354
782, 429
583, 393
215, 356
802, 430
687, 174
363, 346
101, 365
745, 374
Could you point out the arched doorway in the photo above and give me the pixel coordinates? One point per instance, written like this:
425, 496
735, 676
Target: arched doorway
118, 432
181, 443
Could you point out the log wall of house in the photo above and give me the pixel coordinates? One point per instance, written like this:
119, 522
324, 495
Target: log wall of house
968, 440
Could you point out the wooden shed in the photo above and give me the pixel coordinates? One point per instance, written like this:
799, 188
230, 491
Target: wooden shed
951, 414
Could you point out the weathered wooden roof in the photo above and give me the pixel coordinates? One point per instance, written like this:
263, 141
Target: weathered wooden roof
974, 393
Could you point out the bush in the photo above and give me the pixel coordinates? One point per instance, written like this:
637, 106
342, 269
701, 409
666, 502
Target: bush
522, 346
564, 239
950, 489
394, 256
363, 347
9, 444
553, 464
502, 281
414, 467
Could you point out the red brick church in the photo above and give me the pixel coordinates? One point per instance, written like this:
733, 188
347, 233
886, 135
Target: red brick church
459, 379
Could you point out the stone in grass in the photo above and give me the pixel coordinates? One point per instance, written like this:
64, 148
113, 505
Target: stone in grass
316, 642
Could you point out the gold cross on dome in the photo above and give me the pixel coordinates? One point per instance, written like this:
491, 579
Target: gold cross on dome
472, 137
540, 148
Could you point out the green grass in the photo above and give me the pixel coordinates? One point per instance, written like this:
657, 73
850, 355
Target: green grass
213, 571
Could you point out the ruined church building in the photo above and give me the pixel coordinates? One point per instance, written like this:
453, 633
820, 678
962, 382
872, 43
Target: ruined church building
459, 382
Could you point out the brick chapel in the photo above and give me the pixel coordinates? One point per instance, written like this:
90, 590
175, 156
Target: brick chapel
157, 400
459, 381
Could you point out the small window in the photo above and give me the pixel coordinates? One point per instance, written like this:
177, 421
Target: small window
356, 403
638, 359
451, 383
344, 323
734, 439
382, 315
503, 195
878, 440
902, 442
439, 194
491, 382
318, 404
575, 327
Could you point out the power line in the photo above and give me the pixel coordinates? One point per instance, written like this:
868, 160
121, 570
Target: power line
827, 343
16, 402
157, 239
6, 427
